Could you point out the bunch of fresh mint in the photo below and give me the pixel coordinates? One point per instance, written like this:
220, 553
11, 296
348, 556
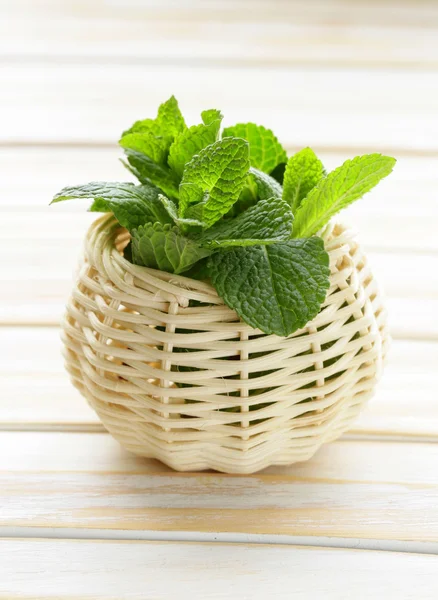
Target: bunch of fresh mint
233, 209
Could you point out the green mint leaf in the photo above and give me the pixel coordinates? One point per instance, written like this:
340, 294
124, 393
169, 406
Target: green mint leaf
169, 118
340, 188
215, 177
212, 116
265, 151
303, 171
163, 247
268, 222
131, 205
258, 186
148, 125
146, 142
172, 211
278, 288
147, 171
267, 187
169, 121
194, 139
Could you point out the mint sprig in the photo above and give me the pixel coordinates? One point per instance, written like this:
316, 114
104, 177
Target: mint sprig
132, 205
303, 171
164, 247
232, 209
340, 188
215, 178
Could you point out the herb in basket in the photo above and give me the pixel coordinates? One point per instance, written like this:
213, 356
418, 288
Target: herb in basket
231, 207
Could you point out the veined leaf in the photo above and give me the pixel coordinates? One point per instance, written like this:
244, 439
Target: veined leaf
340, 188
303, 171
163, 247
169, 121
147, 172
216, 176
278, 288
132, 205
172, 211
146, 142
265, 151
268, 222
267, 187
169, 118
194, 139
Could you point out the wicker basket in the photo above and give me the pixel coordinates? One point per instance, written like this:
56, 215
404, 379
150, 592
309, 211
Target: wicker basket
174, 374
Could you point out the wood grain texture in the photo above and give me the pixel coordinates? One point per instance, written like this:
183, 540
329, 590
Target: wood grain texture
267, 33
112, 570
345, 78
36, 392
322, 107
352, 490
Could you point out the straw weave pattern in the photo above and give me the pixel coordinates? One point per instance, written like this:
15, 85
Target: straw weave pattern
174, 374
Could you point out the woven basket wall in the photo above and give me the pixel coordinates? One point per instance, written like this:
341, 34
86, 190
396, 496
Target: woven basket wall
174, 374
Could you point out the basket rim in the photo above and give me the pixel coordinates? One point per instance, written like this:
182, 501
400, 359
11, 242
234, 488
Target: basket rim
106, 231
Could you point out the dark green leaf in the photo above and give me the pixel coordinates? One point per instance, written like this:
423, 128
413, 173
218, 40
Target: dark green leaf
163, 247
278, 288
268, 222
132, 205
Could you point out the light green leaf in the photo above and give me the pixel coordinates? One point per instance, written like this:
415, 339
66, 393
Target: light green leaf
141, 126
145, 142
216, 177
278, 288
268, 222
172, 211
163, 247
169, 121
303, 171
212, 115
265, 151
131, 205
340, 188
169, 118
147, 171
194, 139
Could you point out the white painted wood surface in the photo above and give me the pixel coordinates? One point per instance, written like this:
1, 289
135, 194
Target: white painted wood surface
153, 570
293, 32
350, 490
324, 107
345, 78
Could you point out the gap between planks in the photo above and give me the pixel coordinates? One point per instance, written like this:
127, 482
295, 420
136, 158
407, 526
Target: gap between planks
276, 33
199, 537
347, 150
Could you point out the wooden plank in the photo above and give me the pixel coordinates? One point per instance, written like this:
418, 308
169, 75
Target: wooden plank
350, 490
36, 393
324, 107
385, 217
274, 32
108, 569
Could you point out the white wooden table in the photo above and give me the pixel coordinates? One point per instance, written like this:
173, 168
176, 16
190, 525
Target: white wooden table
80, 517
